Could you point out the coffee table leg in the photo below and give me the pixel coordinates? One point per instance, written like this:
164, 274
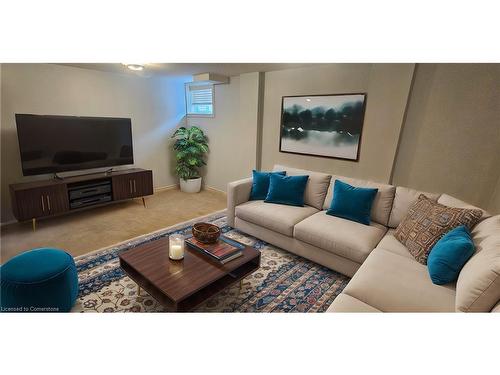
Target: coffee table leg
138, 290
241, 283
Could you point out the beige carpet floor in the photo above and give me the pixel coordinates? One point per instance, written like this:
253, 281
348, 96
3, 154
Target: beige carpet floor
81, 232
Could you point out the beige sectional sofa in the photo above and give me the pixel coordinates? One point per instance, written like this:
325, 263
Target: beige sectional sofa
385, 276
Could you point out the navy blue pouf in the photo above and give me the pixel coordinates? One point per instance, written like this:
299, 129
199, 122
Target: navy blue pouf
39, 280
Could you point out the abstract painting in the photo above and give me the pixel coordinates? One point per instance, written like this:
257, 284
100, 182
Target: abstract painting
323, 125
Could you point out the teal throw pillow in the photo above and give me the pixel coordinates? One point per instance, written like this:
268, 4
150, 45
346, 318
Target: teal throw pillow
287, 190
449, 255
352, 203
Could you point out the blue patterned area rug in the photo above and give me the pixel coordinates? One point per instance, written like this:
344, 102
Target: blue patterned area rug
284, 283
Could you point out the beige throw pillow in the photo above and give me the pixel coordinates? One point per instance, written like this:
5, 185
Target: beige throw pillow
427, 221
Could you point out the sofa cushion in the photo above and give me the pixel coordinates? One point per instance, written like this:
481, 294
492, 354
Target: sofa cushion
345, 303
391, 244
403, 199
286, 190
277, 217
352, 203
427, 221
450, 201
319, 256
476, 282
316, 187
346, 238
478, 285
393, 283
382, 204
485, 229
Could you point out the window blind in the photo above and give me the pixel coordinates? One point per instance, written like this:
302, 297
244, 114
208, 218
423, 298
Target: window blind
200, 100
201, 95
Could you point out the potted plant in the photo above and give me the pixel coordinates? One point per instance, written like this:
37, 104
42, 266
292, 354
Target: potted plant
190, 147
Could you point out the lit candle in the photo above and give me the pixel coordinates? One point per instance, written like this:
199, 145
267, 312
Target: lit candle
176, 246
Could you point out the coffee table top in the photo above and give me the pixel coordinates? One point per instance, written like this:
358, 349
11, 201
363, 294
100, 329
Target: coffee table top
178, 279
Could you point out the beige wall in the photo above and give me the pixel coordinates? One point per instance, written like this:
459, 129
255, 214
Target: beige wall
451, 139
232, 132
387, 87
494, 205
155, 105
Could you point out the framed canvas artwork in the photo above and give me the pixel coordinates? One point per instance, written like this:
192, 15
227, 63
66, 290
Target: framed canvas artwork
323, 125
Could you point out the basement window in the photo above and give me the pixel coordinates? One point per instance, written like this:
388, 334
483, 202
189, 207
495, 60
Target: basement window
200, 100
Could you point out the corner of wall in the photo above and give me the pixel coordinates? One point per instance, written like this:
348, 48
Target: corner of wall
260, 120
403, 123
494, 204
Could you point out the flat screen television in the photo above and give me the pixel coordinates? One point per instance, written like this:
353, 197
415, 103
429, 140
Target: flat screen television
52, 144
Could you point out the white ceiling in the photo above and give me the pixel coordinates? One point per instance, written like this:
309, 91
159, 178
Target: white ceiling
186, 69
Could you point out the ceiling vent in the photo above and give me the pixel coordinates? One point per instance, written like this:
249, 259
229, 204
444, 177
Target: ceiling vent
209, 79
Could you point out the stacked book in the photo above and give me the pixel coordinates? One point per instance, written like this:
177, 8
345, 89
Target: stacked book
224, 250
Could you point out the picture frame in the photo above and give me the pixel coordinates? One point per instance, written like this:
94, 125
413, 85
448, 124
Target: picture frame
323, 125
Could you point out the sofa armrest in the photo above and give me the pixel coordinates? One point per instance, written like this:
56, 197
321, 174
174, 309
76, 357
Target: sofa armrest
238, 192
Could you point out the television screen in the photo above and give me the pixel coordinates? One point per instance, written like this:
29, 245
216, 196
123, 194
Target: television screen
51, 144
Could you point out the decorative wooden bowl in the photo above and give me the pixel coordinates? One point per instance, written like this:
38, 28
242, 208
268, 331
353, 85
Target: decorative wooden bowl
206, 233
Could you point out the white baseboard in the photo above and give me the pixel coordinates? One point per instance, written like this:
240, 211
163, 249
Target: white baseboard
176, 186
167, 187
214, 189
8, 222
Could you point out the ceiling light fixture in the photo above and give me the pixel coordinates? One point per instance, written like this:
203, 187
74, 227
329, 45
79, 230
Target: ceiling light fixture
135, 67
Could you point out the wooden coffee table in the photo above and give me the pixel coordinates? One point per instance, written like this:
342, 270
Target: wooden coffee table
181, 285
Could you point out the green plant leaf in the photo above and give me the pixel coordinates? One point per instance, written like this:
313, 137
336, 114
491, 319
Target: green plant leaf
190, 146
203, 147
182, 132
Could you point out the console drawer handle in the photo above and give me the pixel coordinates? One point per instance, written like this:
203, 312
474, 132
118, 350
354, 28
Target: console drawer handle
43, 205
130, 183
48, 202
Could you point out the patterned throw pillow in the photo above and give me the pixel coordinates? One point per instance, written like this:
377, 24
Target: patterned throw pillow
427, 221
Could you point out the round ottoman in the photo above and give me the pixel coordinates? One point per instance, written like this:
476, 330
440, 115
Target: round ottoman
39, 280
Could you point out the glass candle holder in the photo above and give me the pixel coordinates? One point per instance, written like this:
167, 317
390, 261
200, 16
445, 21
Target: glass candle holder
176, 246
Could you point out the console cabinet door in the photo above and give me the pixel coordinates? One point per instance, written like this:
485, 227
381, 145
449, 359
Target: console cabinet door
133, 185
123, 187
31, 204
40, 202
56, 199
143, 184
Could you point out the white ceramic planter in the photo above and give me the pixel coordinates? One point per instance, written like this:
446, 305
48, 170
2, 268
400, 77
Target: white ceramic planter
192, 185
